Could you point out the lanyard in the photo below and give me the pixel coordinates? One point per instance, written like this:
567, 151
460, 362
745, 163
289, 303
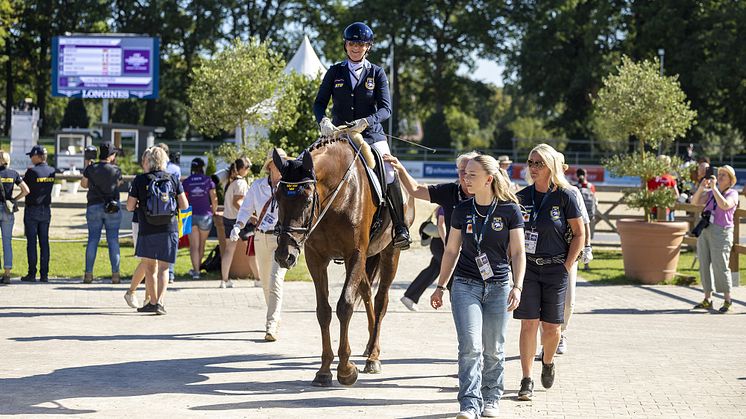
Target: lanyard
479, 234
535, 211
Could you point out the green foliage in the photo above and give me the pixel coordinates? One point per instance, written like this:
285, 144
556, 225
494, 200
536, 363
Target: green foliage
301, 129
76, 115
722, 140
237, 87
127, 111
256, 154
211, 166
531, 131
464, 129
640, 102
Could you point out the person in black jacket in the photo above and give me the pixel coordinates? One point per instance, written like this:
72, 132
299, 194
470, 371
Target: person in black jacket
360, 98
9, 178
37, 214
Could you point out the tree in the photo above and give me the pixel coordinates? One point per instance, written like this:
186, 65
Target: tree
639, 102
76, 115
722, 140
240, 85
301, 129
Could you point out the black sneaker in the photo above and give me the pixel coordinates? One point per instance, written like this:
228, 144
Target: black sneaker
148, 308
44, 279
726, 307
159, 309
547, 374
527, 389
28, 278
704, 305
6, 279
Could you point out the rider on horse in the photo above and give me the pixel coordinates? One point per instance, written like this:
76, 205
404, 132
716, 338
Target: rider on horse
359, 91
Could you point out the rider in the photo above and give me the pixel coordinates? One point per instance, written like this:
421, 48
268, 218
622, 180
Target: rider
360, 98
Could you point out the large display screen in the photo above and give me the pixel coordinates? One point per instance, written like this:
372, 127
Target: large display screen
105, 66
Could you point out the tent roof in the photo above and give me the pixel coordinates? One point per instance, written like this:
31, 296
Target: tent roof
305, 61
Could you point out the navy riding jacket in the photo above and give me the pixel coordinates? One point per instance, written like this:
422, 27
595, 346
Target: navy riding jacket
370, 99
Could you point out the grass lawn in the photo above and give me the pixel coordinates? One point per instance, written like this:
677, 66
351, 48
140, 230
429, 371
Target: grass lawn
68, 261
607, 267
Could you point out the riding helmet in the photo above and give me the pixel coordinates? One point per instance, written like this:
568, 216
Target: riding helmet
358, 32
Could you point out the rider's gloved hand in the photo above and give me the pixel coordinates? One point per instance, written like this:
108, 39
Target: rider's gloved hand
234, 232
358, 125
587, 255
326, 128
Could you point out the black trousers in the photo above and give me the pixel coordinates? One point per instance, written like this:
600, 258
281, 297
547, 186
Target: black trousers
429, 274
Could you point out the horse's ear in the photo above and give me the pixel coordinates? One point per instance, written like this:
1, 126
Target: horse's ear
279, 162
307, 161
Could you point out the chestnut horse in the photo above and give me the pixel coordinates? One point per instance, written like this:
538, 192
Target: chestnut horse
326, 203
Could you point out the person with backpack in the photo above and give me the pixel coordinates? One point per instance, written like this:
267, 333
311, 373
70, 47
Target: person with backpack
173, 169
235, 190
102, 210
157, 196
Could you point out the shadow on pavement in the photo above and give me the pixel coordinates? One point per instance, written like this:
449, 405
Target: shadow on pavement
203, 336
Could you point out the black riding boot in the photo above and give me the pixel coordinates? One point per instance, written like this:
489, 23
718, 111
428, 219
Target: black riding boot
396, 207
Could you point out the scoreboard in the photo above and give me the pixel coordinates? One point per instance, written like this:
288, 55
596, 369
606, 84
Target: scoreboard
105, 66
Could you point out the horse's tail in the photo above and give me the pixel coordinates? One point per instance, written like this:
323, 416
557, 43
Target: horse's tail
372, 275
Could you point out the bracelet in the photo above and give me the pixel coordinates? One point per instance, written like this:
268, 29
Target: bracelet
518, 288
440, 287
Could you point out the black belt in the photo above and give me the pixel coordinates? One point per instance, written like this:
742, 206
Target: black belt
267, 231
554, 260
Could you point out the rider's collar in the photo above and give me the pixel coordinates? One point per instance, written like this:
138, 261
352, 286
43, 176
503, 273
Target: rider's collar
354, 66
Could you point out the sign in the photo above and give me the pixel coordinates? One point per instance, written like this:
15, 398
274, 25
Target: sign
105, 66
439, 170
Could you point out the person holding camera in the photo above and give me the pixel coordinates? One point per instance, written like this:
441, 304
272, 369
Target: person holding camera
102, 210
38, 213
9, 179
715, 234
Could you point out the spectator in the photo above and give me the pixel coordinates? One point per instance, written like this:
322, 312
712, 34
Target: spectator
9, 179
663, 181
716, 240
156, 243
200, 191
173, 169
258, 200
139, 275
703, 166
590, 201
689, 153
505, 164
234, 196
487, 236
102, 180
37, 214
428, 275
550, 211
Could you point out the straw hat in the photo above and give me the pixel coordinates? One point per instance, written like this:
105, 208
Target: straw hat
504, 159
280, 151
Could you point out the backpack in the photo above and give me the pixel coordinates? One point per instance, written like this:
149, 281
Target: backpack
588, 200
212, 261
160, 201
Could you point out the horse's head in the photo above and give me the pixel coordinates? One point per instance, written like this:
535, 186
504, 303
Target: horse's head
296, 199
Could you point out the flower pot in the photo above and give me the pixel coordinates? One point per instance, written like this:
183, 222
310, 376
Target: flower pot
651, 250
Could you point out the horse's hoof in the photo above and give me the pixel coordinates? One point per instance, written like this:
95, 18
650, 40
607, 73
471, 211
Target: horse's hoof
347, 380
372, 367
322, 380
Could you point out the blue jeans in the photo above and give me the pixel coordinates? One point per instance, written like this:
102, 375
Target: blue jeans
481, 318
6, 227
97, 219
36, 223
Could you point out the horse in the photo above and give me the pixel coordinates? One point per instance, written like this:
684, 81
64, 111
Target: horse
325, 205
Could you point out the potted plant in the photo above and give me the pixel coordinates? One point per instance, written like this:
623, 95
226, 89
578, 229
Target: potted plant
642, 104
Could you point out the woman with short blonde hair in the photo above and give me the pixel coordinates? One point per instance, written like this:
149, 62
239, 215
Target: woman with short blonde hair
8, 179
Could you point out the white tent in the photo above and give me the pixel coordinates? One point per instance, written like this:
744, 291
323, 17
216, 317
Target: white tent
304, 61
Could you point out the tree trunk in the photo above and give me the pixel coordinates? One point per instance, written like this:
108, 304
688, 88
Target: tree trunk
8, 87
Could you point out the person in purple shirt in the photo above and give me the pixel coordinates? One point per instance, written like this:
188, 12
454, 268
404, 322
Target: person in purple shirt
200, 191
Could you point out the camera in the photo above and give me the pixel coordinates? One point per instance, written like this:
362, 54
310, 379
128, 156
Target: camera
703, 223
111, 207
90, 153
711, 172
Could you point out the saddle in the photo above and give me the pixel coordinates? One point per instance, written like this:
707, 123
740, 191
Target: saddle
376, 174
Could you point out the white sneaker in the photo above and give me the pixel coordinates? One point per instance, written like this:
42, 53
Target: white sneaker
562, 347
409, 303
131, 299
257, 283
466, 414
491, 410
222, 284
229, 284
195, 274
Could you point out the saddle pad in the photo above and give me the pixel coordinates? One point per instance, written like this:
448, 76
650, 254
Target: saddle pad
375, 176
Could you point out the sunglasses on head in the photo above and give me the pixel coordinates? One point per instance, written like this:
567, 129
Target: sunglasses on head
539, 164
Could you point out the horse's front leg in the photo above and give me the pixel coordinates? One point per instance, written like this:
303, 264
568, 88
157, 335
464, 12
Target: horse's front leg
355, 267
317, 268
388, 263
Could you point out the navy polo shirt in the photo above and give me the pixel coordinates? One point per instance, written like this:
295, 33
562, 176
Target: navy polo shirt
551, 219
40, 180
495, 237
447, 195
370, 99
9, 179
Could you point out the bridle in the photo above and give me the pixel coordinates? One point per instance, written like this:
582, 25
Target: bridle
309, 225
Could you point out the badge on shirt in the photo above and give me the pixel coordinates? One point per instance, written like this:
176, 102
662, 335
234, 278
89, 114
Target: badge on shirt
469, 228
370, 83
526, 212
339, 83
532, 238
497, 224
555, 213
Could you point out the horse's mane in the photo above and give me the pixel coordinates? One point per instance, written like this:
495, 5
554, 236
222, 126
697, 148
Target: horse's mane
323, 142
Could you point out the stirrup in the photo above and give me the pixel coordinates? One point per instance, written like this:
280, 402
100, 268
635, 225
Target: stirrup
402, 241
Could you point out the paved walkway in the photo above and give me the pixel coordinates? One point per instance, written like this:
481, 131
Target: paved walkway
74, 349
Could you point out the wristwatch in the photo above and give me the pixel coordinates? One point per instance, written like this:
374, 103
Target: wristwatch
440, 287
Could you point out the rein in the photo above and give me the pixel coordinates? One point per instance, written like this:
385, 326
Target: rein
310, 225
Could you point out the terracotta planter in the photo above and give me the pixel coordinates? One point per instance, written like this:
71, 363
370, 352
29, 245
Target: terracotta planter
240, 263
651, 250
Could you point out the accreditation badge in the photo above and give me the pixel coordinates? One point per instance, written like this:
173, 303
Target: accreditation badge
483, 263
370, 83
531, 239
